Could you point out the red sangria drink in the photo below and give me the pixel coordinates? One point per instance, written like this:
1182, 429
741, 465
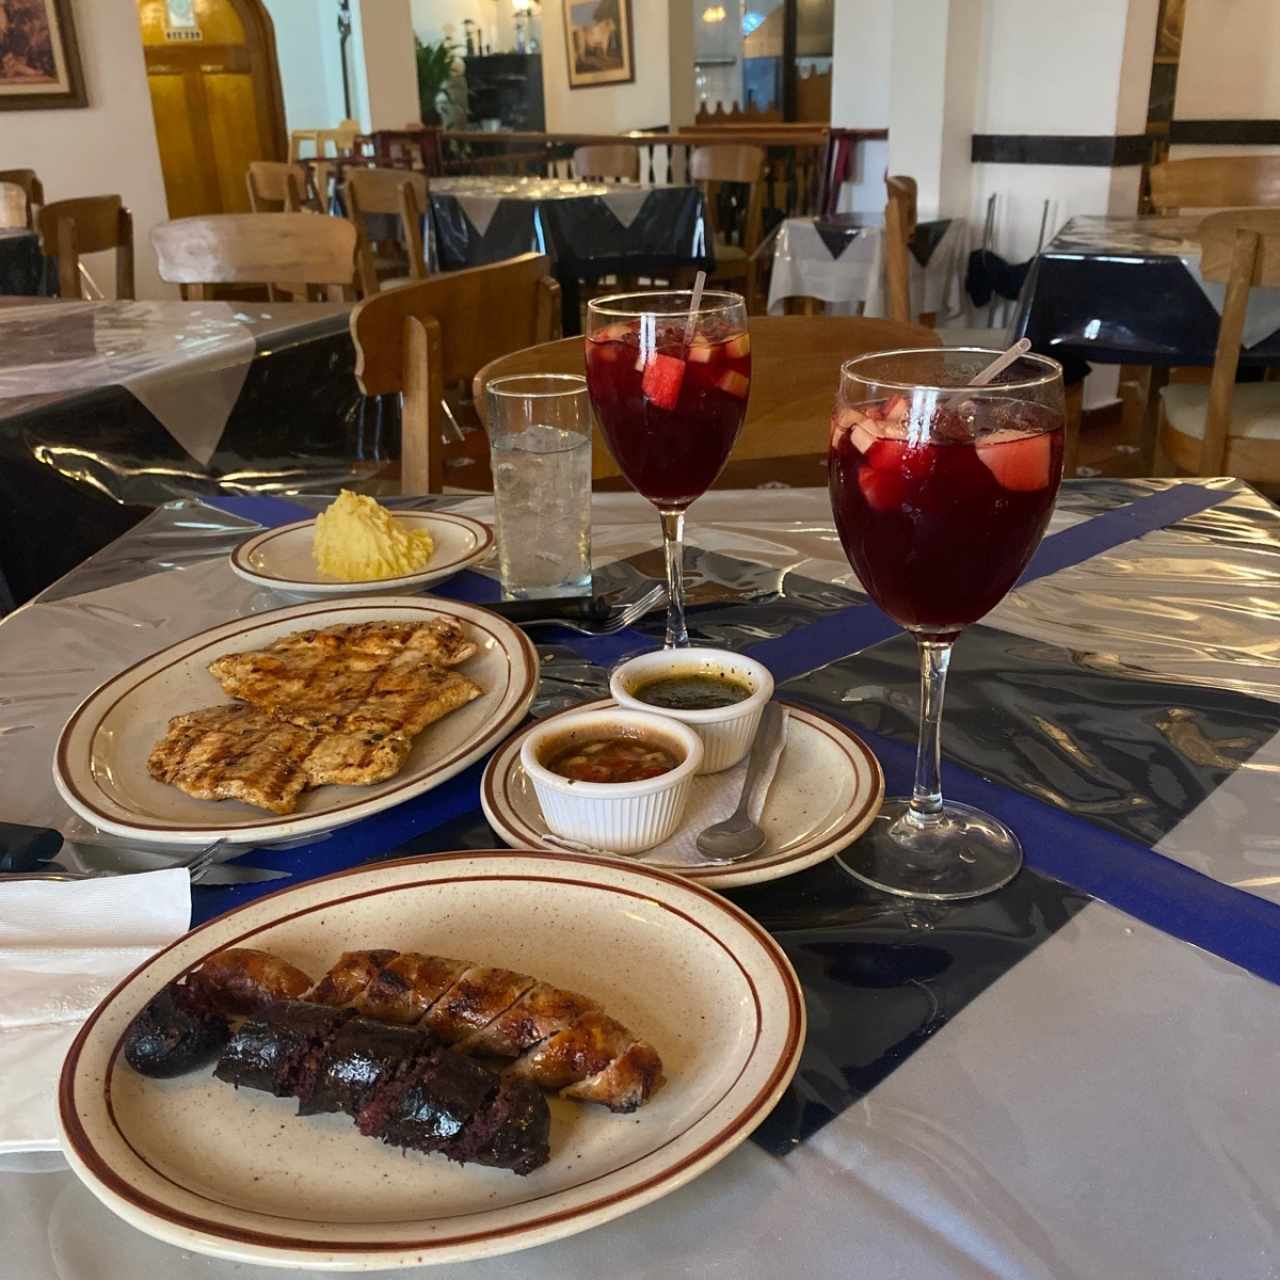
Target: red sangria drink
942, 485
669, 387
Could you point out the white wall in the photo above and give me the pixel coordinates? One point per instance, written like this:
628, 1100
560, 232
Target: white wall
385, 89
1229, 68
108, 147
310, 69
860, 64
613, 108
434, 19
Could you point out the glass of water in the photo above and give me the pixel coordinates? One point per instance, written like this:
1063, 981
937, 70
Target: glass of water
540, 452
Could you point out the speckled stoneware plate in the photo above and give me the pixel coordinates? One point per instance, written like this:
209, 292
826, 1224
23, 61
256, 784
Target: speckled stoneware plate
240, 1176
826, 792
100, 764
281, 558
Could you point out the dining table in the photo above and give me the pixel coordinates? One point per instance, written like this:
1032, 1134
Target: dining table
1128, 290
109, 409
1070, 1077
838, 259
589, 229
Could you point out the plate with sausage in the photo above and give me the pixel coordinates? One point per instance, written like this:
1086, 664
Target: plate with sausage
431, 1060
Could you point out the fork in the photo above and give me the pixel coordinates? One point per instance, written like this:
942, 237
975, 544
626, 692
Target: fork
196, 864
652, 599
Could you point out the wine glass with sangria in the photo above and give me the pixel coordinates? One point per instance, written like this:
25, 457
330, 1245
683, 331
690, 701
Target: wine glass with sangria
941, 489
668, 375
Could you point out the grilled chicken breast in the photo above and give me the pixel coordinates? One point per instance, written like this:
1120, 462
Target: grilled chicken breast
338, 706
236, 752
373, 678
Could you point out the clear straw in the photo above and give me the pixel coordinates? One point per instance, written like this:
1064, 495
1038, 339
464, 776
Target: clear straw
698, 285
993, 370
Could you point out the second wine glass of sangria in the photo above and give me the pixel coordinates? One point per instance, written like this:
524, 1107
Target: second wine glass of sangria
669, 376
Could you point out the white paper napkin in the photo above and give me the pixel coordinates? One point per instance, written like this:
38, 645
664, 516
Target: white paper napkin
63, 946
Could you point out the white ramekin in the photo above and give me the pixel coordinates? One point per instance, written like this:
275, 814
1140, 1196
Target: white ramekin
726, 732
621, 817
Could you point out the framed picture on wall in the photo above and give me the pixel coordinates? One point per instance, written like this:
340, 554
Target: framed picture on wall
39, 57
598, 37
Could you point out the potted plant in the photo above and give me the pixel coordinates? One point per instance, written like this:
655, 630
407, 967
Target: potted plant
435, 70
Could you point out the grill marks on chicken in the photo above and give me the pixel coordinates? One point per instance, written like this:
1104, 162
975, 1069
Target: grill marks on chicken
339, 706
559, 1039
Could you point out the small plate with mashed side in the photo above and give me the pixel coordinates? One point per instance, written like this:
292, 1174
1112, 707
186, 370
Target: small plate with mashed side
357, 546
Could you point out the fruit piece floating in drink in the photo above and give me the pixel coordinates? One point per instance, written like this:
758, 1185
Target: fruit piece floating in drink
941, 492
669, 387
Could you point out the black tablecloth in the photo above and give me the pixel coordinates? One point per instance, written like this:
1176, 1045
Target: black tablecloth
24, 270
584, 237
1115, 291
80, 468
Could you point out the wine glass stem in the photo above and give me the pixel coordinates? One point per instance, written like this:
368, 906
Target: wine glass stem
926, 794
673, 545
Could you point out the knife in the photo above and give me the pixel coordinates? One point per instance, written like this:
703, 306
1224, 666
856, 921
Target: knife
24, 848
570, 608
228, 873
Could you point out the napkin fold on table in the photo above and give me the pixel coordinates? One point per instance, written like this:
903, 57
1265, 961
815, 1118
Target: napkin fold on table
63, 946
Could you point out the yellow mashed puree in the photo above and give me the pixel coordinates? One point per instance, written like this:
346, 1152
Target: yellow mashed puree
357, 540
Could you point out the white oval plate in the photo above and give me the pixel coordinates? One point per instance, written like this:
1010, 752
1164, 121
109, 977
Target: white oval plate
281, 558
240, 1176
100, 764
826, 792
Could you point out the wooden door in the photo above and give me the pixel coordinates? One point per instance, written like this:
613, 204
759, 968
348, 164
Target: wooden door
215, 95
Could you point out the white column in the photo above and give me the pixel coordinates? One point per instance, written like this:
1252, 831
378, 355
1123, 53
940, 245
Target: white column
862, 42
385, 89
1228, 70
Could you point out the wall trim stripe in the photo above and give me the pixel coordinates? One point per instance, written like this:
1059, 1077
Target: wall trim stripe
1216, 133
1098, 150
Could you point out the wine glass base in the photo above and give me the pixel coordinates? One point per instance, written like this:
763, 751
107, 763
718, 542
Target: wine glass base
962, 853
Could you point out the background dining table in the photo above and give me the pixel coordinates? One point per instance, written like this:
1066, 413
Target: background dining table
588, 229
1073, 1077
110, 409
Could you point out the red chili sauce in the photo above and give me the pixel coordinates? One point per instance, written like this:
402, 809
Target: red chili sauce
610, 760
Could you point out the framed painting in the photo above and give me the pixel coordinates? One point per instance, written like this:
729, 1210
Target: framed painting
39, 57
598, 39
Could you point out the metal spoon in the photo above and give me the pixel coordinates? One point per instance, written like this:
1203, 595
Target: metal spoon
738, 836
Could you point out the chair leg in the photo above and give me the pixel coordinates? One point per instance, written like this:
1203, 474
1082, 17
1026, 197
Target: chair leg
1073, 413
1157, 378
1161, 463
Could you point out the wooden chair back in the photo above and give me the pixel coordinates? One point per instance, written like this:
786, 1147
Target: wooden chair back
297, 250
899, 227
608, 161
711, 167
398, 192
1215, 182
1241, 249
342, 139
15, 213
276, 187
27, 180
795, 372
89, 224
422, 338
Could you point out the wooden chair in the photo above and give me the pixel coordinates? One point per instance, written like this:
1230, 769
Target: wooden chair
343, 139
1222, 428
425, 337
304, 251
31, 187
616, 161
795, 371
899, 227
15, 213
712, 166
1215, 182
90, 224
276, 187
399, 193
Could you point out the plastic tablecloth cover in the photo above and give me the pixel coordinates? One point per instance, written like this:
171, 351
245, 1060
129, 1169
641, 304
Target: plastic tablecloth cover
1036, 1085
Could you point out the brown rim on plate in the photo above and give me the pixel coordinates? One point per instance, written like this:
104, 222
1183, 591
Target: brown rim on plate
840, 735
736, 1130
481, 744
484, 532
